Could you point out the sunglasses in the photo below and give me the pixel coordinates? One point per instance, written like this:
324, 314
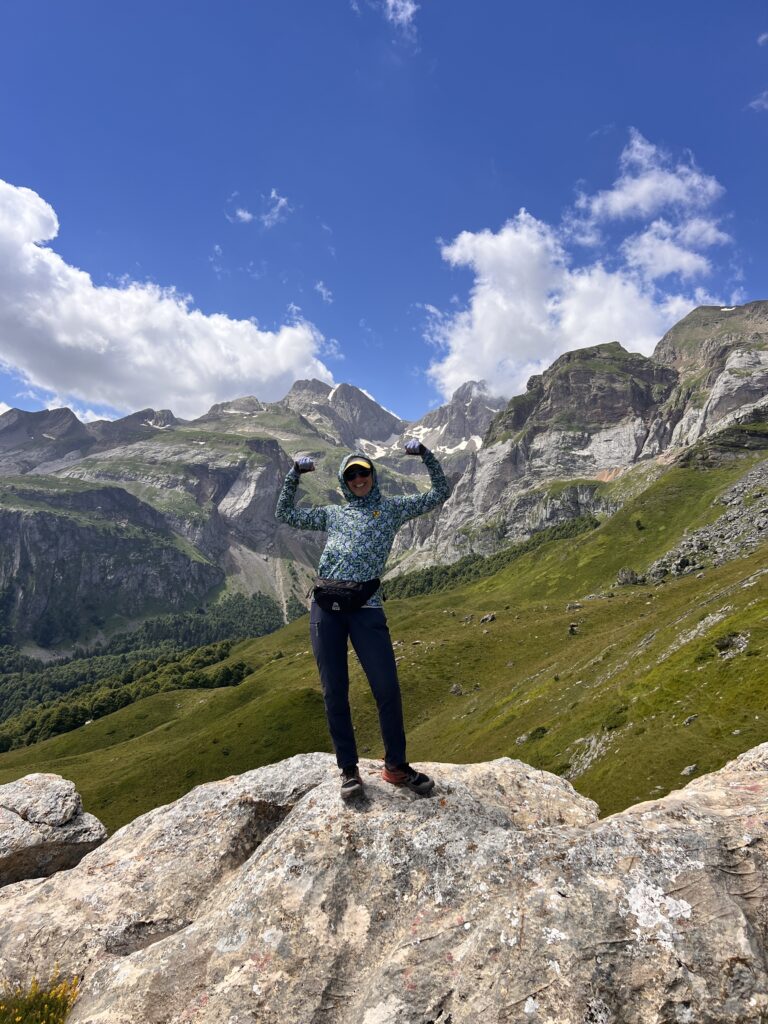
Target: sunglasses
351, 474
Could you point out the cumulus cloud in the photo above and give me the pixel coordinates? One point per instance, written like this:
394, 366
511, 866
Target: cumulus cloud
243, 216
656, 252
4, 408
649, 182
131, 346
531, 299
760, 102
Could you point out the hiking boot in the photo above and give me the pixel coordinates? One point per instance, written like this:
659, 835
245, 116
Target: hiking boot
351, 783
404, 775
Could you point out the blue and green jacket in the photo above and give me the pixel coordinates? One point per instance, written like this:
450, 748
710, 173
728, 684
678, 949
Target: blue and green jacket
361, 532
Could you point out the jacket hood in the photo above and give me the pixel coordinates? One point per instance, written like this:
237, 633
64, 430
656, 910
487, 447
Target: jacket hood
373, 495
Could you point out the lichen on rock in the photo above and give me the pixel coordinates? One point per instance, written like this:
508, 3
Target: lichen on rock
502, 898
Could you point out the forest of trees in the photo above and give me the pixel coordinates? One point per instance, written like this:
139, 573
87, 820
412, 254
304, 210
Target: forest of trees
38, 700
96, 699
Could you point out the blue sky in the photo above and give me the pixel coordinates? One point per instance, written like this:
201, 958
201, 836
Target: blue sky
200, 201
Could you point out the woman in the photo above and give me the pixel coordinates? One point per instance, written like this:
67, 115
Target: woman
360, 537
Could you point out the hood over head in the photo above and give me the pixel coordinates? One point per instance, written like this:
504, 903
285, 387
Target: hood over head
374, 494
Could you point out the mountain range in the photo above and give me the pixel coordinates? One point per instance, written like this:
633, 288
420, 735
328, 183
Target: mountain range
591, 600
105, 523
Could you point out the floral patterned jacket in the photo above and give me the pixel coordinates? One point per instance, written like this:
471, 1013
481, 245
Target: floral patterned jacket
361, 532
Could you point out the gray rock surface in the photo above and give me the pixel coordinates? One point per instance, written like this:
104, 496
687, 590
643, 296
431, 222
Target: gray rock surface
263, 898
61, 566
43, 828
737, 531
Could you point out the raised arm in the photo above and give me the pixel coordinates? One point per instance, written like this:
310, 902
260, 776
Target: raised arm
410, 506
286, 512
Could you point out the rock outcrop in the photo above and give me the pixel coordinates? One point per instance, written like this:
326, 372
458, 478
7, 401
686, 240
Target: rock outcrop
343, 413
43, 828
592, 415
721, 357
502, 898
737, 531
69, 556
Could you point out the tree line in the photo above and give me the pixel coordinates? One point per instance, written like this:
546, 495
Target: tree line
97, 699
163, 653
475, 567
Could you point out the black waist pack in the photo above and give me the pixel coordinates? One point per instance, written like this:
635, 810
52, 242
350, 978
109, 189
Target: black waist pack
343, 595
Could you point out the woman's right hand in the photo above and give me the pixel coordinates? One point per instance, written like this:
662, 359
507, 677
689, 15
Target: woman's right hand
304, 465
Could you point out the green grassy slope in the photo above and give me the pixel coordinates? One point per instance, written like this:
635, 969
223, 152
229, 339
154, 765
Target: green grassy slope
605, 706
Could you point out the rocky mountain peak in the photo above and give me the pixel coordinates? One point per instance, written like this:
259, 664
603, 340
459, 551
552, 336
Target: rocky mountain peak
365, 416
248, 404
342, 413
585, 389
28, 439
461, 423
132, 427
469, 391
313, 390
18, 426
700, 343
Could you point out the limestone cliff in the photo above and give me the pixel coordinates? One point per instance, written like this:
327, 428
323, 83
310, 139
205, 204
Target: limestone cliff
264, 899
592, 415
721, 357
70, 557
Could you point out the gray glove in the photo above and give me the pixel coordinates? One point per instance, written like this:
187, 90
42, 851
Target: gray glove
414, 447
304, 465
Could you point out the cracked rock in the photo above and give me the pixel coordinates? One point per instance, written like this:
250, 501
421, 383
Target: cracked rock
43, 828
501, 898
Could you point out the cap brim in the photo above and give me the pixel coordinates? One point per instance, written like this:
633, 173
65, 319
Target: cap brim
358, 462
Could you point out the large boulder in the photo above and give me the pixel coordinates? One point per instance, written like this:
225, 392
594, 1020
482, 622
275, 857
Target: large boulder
43, 827
502, 898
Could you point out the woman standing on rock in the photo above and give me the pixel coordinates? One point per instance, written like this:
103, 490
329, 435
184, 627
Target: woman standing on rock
347, 603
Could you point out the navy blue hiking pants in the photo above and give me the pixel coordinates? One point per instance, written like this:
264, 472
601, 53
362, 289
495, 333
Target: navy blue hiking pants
368, 631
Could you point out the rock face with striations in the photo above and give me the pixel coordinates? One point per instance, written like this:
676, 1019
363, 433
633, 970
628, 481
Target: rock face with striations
71, 553
43, 828
502, 898
721, 356
592, 415
342, 413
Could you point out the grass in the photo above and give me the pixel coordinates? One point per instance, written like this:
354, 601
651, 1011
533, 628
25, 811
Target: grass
48, 1003
603, 703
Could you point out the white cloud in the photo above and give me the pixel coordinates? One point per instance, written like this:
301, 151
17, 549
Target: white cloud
215, 259
400, 12
760, 102
530, 300
131, 346
325, 293
702, 231
762, 39
656, 253
243, 215
650, 182
278, 209
4, 408
331, 349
